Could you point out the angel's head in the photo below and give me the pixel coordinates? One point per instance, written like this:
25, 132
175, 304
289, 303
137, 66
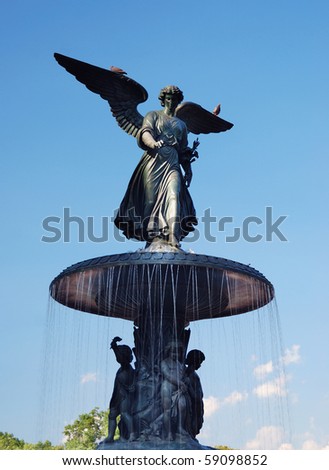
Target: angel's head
173, 91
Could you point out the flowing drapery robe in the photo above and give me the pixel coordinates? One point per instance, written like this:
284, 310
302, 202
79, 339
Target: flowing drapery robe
157, 201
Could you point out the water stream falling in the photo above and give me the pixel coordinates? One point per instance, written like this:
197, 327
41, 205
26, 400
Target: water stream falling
246, 387
243, 376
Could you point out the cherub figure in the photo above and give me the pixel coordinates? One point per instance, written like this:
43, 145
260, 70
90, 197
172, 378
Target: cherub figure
157, 206
173, 391
193, 362
123, 393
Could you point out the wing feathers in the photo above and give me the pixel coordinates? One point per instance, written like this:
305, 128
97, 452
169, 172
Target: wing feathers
122, 93
200, 121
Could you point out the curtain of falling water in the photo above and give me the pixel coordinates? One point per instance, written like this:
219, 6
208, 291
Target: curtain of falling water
244, 380
79, 368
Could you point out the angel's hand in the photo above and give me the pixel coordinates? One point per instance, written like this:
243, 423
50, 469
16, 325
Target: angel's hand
159, 144
150, 142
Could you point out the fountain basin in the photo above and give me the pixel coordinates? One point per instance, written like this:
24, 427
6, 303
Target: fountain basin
190, 285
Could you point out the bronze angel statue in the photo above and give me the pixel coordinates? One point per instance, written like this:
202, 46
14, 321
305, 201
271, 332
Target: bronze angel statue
157, 206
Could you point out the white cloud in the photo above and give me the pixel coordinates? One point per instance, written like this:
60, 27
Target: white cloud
211, 405
292, 355
89, 377
234, 397
268, 437
263, 369
274, 387
286, 446
310, 444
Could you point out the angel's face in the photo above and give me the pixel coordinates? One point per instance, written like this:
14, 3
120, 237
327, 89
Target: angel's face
170, 103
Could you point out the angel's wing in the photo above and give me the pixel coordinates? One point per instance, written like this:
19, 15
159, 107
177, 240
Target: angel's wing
200, 121
122, 92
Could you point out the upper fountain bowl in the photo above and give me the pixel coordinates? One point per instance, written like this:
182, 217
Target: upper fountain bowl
189, 286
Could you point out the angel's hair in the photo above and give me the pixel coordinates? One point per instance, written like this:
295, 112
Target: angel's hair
170, 90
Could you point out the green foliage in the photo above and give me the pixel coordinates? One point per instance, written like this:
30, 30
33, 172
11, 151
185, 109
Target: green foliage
223, 448
86, 431
10, 442
47, 445
84, 434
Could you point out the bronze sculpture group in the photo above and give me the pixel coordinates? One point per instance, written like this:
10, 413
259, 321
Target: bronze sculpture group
180, 410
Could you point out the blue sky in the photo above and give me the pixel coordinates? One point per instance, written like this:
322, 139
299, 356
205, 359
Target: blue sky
265, 378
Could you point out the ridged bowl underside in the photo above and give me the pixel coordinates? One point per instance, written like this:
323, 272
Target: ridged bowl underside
189, 286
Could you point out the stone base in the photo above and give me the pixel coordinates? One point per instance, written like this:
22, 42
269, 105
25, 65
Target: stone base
183, 443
